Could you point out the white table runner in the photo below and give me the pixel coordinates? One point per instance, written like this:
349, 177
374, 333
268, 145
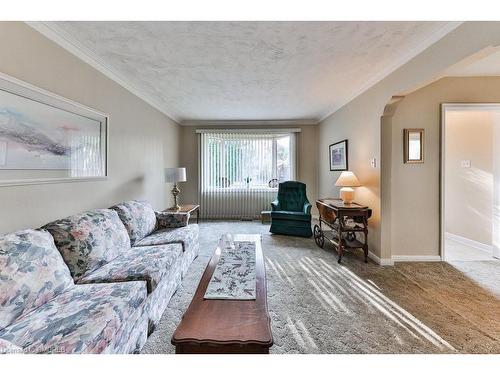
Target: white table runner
234, 275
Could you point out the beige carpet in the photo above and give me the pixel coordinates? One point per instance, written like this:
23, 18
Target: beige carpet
319, 306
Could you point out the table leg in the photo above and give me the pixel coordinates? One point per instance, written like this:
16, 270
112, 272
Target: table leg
340, 247
365, 245
198, 216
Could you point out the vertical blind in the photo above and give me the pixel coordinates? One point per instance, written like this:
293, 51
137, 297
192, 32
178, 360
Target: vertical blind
240, 172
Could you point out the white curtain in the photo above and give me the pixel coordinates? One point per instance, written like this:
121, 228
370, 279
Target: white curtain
239, 171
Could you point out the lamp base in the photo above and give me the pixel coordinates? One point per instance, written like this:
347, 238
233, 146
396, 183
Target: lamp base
347, 195
175, 193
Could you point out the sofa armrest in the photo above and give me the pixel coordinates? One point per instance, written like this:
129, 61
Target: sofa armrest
171, 220
307, 208
275, 205
6, 347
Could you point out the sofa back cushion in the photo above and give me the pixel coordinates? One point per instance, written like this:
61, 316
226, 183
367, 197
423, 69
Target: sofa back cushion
89, 240
138, 217
32, 272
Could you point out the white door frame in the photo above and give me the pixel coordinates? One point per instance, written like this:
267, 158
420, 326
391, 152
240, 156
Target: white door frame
496, 199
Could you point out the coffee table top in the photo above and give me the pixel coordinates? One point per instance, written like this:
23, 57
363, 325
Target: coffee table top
208, 321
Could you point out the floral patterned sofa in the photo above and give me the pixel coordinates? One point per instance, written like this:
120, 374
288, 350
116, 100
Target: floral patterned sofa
96, 282
42, 310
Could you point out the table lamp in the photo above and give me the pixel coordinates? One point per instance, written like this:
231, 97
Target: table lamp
175, 175
347, 180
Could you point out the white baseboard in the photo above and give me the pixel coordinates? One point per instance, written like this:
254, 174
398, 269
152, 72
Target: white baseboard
416, 258
468, 242
381, 261
403, 258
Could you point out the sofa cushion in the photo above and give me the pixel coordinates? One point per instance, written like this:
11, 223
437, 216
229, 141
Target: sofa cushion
89, 240
138, 217
88, 318
31, 273
6, 347
290, 215
149, 263
171, 220
187, 236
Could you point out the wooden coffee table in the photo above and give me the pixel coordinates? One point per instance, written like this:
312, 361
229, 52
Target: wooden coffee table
227, 326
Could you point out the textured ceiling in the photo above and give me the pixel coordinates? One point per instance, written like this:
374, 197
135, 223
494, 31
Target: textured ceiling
484, 63
252, 70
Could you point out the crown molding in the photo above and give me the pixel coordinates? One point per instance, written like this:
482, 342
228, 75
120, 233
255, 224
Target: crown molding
470, 75
249, 122
66, 41
433, 38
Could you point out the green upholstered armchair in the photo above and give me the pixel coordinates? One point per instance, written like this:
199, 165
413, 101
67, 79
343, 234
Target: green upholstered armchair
291, 211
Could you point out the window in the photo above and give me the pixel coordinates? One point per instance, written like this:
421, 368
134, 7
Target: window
246, 161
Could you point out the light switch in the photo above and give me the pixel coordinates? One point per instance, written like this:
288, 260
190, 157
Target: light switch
465, 163
373, 162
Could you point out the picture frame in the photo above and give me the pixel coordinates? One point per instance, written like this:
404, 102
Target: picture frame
339, 155
413, 146
46, 138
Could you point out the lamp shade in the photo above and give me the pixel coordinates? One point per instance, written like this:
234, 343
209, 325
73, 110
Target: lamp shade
175, 175
347, 179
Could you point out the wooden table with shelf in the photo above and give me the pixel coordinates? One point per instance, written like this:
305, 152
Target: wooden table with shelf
187, 208
342, 221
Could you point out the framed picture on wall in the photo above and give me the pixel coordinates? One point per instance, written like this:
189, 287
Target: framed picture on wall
47, 138
339, 156
413, 146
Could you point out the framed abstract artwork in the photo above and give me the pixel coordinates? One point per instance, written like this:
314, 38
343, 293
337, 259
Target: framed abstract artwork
339, 156
47, 138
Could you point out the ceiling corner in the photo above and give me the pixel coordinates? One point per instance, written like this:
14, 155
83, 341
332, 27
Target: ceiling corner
439, 34
50, 30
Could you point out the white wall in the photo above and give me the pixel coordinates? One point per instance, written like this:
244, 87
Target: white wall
496, 185
142, 141
469, 190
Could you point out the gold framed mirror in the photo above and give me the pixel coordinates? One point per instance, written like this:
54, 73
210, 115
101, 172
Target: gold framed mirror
413, 146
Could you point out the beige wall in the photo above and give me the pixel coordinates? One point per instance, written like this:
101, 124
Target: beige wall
360, 122
415, 188
469, 191
142, 141
306, 159
496, 185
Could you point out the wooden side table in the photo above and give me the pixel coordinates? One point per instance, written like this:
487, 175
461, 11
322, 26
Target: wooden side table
343, 222
187, 208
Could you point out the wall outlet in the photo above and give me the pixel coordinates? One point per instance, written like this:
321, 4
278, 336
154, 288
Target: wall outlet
373, 162
465, 163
